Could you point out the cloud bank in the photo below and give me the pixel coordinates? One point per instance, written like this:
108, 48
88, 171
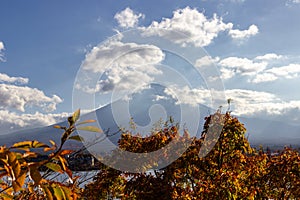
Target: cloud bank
16, 99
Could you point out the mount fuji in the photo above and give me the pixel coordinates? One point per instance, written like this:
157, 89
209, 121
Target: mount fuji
146, 109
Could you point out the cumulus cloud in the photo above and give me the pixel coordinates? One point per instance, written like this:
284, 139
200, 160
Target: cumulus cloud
227, 73
286, 72
206, 61
4, 78
264, 77
259, 69
242, 34
251, 103
16, 99
197, 29
246, 103
289, 71
189, 96
240, 66
20, 97
13, 121
193, 27
269, 56
2, 48
124, 65
128, 18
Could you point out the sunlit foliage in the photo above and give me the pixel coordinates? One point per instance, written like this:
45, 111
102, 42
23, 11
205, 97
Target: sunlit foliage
231, 170
20, 171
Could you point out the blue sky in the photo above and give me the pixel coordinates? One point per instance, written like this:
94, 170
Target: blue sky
255, 45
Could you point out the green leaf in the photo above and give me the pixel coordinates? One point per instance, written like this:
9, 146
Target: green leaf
90, 128
58, 192
76, 115
77, 138
67, 191
54, 167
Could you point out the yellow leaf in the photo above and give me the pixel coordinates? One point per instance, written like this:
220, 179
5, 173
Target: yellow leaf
86, 122
54, 167
63, 162
6, 196
58, 127
52, 142
29, 155
77, 138
58, 192
47, 192
90, 129
76, 115
67, 191
46, 149
26, 145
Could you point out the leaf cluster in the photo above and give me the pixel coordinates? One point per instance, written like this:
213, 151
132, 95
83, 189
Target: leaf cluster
20, 169
230, 170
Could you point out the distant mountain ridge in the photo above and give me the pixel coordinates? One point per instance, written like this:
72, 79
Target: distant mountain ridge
259, 131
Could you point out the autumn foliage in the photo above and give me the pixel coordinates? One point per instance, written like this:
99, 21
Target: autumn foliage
20, 171
230, 170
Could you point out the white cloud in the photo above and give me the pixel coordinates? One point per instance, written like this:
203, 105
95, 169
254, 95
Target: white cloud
125, 65
251, 103
227, 73
269, 56
17, 100
259, 69
206, 61
1, 46
246, 103
264, 77
7, 79
238, 34
1, 49
293, 2
189, 26
127, 18
12, 121
20, 97
197, 29
186, 95
240, 66
287, 72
